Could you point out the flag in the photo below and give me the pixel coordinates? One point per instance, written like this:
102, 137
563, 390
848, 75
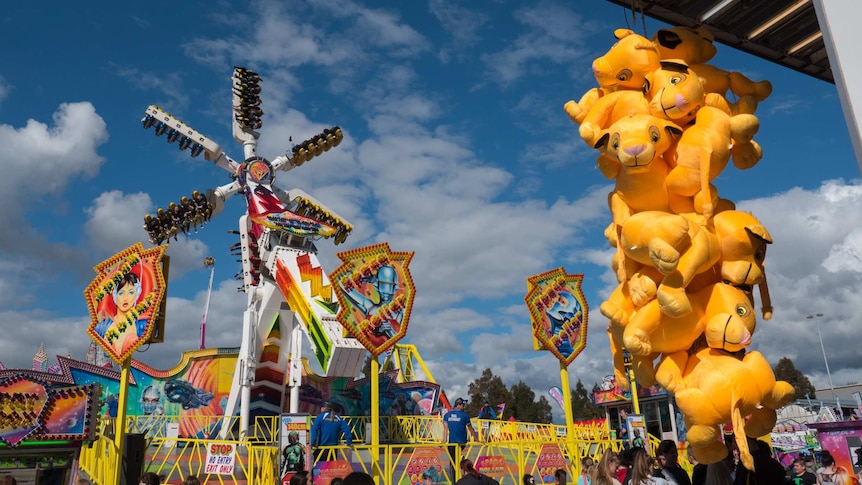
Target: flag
500, 408
557, 395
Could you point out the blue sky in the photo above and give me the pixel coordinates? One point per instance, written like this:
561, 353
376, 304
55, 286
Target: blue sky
456, 147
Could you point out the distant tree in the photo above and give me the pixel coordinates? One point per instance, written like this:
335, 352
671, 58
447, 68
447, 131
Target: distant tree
489, 388
582, 404
786, 371
524, 407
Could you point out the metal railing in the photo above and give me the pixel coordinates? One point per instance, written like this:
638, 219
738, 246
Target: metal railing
514, 448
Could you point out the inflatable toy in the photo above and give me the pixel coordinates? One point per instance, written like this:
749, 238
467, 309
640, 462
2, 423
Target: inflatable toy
680, 248
695, 47
705, 148
623, 67
714, 386
686, 260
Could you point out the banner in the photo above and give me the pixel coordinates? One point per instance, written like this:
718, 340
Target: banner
124, 300
559, 313
294, 441
375, 291
557, 396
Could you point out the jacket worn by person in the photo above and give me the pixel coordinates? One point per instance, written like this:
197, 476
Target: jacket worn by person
482, 479
328, 429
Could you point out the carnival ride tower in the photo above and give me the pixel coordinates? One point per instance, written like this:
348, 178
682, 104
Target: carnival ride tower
288, 293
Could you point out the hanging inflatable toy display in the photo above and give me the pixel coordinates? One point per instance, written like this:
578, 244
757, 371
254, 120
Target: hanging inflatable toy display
686, 261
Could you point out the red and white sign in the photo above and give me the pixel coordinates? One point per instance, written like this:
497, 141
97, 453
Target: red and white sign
221, 458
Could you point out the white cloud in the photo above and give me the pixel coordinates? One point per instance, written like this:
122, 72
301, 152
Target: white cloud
554, 34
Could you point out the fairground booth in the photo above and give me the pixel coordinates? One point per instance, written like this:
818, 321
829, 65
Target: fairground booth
44, 423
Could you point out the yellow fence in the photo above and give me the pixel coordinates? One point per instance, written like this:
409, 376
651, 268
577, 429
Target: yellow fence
516, 448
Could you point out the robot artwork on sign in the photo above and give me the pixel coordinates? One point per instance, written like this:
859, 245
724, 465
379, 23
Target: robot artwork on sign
666, 124
375, 291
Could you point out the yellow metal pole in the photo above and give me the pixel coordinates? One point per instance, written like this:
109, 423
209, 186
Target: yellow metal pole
120, 423
633, 385
567, 396
375, 419
567, 404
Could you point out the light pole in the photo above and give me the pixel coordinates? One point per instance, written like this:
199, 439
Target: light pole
209, 262
823, 349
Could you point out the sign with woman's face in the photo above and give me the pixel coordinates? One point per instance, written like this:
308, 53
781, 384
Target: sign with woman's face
124, 299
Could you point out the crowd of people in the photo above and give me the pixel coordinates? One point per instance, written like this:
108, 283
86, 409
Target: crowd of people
635, 466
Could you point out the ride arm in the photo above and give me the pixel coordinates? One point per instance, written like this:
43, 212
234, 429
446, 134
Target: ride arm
167, 124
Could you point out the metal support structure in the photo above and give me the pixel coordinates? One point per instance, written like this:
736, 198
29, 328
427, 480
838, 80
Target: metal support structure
120, 422
375, 420
295, 365
838, 21
633, 385
814, 316
211, 263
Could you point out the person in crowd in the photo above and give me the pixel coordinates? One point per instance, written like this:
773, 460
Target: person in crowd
605, 472
471, 476
667, 458
456, 424
336, 481
698, 471
150, 478
561, 477
192, 480
358, 478
766, 468
487, 411
642, 470
623, 432
586, 475
623, 474
328, 429
8, 480
800, 476
300, 478
528, 480
828, 474
718, 474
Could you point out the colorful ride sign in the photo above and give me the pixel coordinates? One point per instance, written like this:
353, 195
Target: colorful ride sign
31, 410
375, 291
559, 312
124, 300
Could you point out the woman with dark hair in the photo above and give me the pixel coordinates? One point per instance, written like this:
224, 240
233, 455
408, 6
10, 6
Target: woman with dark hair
828, 475
300, 478
358, 478
149, 478
561, 477
471, 476
192, 480
119, 322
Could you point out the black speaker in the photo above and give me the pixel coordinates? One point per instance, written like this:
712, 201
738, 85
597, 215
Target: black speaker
134, 455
